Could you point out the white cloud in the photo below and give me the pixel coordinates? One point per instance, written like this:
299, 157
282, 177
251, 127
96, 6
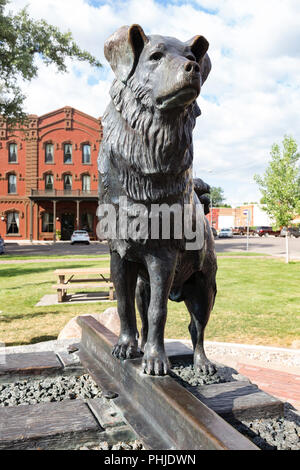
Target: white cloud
250, 100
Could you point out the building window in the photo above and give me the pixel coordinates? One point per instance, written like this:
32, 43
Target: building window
86, 183
86, 153
48, 182
67, 182
12, 224
87, 222
12, 184
47, 222
13, 153
67, 153
49, 153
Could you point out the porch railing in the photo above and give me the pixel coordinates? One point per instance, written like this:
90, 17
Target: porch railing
63, 193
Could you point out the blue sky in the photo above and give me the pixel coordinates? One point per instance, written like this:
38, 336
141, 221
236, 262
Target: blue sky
250, 100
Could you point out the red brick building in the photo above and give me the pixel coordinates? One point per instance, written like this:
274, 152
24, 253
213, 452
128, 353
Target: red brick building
49, 176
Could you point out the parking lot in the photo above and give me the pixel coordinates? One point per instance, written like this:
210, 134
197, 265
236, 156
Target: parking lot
274, 246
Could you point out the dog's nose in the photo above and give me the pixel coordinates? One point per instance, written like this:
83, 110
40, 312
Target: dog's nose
191, 67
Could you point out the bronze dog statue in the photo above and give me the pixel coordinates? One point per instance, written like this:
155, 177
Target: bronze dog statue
146, 156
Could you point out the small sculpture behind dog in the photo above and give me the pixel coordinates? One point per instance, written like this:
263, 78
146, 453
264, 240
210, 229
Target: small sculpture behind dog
146, 157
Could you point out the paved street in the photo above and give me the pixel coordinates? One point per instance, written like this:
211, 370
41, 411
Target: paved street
274, 246
59, 249
265, 245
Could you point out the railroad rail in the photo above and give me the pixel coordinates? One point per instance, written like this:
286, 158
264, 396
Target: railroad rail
164, 414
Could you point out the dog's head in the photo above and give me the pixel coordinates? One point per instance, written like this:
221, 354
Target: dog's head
172, 70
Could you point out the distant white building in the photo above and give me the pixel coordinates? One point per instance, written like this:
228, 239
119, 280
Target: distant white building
226, 221
260, 217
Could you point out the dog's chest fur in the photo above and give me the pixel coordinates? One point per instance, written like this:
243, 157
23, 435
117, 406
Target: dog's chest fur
151, 152
146, 156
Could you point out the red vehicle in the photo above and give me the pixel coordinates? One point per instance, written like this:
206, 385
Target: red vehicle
242, 231
266, 231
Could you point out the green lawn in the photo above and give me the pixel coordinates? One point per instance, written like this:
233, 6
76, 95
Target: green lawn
258, 302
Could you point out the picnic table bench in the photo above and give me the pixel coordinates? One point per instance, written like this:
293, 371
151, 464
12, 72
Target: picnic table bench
67, 280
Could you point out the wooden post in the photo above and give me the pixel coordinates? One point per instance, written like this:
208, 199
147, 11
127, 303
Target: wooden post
61, 292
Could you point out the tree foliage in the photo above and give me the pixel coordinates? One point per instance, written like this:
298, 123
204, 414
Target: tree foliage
217, 197
21, 40
280, 184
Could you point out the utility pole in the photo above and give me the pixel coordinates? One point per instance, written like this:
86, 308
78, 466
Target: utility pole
247, 213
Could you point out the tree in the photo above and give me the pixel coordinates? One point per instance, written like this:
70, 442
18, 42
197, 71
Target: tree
21, 40
217, 196
280, 185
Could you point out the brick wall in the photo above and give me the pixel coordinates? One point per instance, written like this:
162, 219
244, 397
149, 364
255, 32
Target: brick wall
65, 125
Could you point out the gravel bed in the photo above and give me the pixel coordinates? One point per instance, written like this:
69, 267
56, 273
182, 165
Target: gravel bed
186, 375
273, 434
30, 392
136, 445
282, 433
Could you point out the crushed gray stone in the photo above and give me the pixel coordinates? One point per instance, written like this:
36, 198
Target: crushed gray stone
30, 392
282, 433
136, 445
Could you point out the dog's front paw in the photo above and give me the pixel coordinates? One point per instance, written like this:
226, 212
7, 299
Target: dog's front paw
155, 363
126, 349
204, 366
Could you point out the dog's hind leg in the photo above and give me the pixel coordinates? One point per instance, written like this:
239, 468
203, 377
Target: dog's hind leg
142, 294
124, 276
161, 271
199, 296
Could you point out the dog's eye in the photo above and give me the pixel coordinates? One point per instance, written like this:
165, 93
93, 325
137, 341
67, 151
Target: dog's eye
156, 56
191, 57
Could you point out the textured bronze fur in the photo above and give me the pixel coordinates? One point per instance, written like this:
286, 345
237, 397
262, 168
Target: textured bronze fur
147, 155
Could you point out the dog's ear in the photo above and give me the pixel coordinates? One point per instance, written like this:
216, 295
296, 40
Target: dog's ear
199, 46
205, 68
123, 49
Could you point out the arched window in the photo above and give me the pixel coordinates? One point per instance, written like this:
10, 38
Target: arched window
12, 184
49, 182
86, 183
49, 153
13, 153
12, 222
67, 153
67, 182
86, 153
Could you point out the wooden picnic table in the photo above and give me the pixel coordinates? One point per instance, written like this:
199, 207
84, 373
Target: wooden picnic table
67, 279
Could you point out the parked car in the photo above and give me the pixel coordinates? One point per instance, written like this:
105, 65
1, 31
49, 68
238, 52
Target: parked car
214, 232
239, 230
292, 232
266, 231
242, 230
225, 233
80, 236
